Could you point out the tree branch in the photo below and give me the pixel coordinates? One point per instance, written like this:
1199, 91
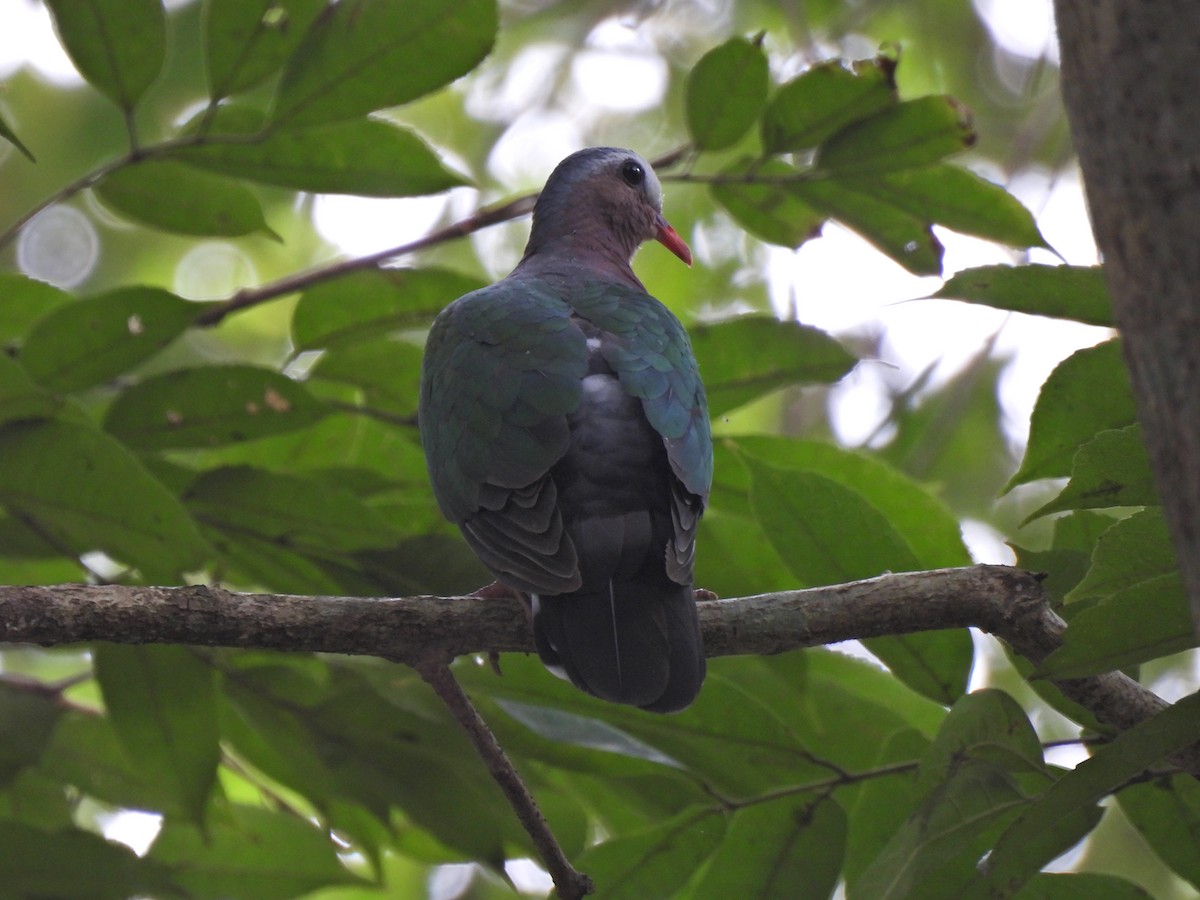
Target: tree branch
1006, 602
290, 284
427, 632
569, 882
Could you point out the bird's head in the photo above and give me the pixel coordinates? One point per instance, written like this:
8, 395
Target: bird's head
605, 196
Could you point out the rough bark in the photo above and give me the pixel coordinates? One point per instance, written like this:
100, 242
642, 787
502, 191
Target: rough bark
1131, 84
1006, 602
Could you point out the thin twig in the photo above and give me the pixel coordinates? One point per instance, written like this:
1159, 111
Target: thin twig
570, 883
62, 194
128, 158
250, 297
824, 786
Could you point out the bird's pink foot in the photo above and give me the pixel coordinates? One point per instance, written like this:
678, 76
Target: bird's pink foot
498, 591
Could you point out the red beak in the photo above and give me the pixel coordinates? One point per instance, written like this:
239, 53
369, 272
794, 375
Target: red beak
669, 238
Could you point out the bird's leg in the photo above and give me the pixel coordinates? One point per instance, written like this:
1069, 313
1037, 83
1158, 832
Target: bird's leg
498, 590
704, 594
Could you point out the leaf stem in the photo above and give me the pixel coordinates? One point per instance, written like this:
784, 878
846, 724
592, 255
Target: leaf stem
822, 785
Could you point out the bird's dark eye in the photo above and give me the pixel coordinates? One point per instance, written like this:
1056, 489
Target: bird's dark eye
633, 173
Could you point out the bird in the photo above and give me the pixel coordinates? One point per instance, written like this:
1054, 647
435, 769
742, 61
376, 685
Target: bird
566, 433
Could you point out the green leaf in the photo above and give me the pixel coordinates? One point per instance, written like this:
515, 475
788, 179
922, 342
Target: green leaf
737, 555
725, 92
936, 663
987, 725
936, 847
826, 532
564, 727
658, 861
814, 106
956, 198
265, 565
27, 720
117, 45
245, 41
775, 713
1052, 695
907, 135
1087, 393
347, 742
810, 498
368, 157
1070, 555
791, 847
1132, 550
986, 734
761, 196
727, 722
1110, 470
251, 852
20, 398
76, 864
9, 135
1025, 862
848, 683
210, 406
1166, 812
1129, 754
1065, 292
90, 341
426, 564
1079, 886
387, 372
829, 533
362, 56
929, 527
19, 541
744, 358
882, 804
88, 492
160, 700
86, 754
178, 198
369, 304
23, 301
906, 238
302, 514
37, 800
346, 437
1147, 620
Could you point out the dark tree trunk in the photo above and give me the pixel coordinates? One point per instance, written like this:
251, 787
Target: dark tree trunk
1131, 84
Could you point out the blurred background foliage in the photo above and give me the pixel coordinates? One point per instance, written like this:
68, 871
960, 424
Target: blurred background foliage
179, 401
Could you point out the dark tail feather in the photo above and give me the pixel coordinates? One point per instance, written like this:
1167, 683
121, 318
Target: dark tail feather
639, 645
